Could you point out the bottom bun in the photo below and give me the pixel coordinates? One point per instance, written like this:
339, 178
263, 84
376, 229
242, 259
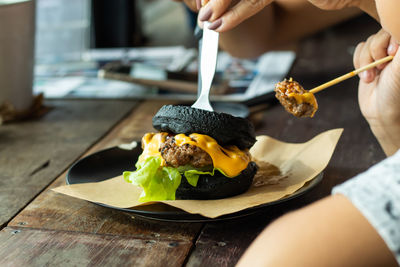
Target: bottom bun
217, 186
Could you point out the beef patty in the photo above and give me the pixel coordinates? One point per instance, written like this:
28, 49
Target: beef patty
186, 154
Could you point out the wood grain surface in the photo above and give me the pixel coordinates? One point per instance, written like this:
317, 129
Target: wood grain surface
55, 211
33, 153
30, 247
58, 229
320, 58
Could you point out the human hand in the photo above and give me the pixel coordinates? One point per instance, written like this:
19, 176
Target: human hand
227, 14
379, 89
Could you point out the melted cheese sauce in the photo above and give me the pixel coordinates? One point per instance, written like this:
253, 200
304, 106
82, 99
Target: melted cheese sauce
231, 160
292, 95
304, 98
151, 144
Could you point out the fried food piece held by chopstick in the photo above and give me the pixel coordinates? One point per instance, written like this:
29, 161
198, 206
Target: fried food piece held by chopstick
295, 99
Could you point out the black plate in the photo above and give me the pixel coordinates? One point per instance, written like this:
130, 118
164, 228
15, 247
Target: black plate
112, 162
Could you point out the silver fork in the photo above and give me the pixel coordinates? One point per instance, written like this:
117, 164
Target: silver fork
208, 62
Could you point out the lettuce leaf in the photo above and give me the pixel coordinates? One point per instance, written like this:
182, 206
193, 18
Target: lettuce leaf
161, 183
158, 183
192, 176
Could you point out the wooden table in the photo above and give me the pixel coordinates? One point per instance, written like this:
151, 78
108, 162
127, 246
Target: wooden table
40, 227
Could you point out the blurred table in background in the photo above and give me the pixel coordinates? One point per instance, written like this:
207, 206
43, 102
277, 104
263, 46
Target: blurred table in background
41, 227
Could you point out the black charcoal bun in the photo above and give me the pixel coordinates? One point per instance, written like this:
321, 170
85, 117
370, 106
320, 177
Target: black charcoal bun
217, 186
225, 128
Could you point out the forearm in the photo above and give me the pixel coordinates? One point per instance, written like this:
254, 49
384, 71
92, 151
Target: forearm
330, 232
369, 7
279, 24
388, 136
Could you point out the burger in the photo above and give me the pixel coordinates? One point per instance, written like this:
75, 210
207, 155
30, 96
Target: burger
196, 154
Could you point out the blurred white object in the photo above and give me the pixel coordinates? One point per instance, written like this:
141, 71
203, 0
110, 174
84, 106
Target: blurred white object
17, 32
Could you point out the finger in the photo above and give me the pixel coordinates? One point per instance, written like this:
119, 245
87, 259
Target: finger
391, 51
214, 9
357, 53
379, 46
240, 12
393, 47
366, 58
200, 23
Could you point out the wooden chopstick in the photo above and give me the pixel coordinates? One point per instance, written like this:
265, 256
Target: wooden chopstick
350, 74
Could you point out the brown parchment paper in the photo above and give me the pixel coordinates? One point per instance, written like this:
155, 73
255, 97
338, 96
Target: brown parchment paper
299, 163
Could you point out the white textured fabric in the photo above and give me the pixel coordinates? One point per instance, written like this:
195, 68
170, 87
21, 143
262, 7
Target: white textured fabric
376, 193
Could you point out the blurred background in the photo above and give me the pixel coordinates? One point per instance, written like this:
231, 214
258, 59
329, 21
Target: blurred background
138, 49
66, 30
